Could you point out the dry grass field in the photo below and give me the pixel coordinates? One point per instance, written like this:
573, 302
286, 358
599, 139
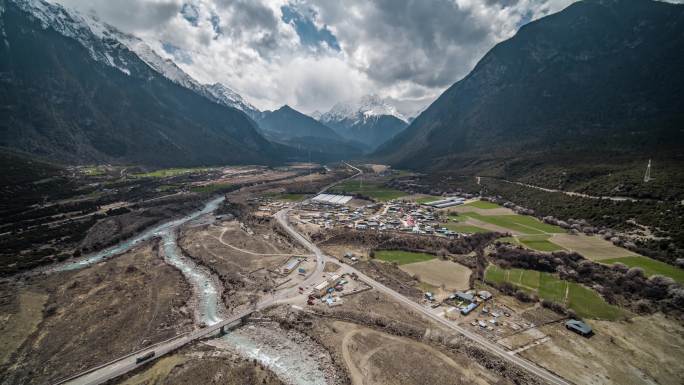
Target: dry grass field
644, 350
438, 272
591, 247
375, 358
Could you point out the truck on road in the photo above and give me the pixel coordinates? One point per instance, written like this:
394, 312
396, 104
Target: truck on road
144, 357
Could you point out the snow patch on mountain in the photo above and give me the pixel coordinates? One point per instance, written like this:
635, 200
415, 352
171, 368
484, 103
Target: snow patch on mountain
360, 110
226, 96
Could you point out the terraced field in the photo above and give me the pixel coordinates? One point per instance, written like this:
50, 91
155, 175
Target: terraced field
584, 301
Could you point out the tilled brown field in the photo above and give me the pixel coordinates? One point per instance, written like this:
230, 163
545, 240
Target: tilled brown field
97, 314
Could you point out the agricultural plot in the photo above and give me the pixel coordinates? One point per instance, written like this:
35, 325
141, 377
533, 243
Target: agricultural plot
584, 301
650, 266
168, 172
539, 243
591, 247
518, 223
440, 273
428, 199
483, 205
402, 257
373, 190
466, 229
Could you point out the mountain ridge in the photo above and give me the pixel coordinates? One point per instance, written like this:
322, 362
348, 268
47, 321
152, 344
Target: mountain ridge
74, 93
599, 76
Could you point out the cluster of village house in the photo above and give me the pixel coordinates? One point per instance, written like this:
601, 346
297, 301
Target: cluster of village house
333, 210
395, 215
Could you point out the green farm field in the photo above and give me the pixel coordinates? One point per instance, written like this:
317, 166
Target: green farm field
466, 229
650, 266
519, 223
483, 205
584, 301
402, 257
539, 243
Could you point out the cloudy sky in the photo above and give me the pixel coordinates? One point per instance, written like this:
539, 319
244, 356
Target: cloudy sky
311, 54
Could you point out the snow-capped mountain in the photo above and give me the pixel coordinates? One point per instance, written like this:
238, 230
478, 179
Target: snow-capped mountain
107, 96
316, 115
363, 108
369, 119
226, 96
104, 42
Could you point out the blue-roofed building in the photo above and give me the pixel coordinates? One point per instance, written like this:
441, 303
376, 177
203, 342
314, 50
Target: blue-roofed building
466, 310
579, 327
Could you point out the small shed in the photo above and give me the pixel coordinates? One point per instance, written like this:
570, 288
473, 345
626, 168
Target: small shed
579, 327
464, 296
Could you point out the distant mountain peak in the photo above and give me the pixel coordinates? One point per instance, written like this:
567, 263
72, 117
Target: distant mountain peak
366, 107
316, 115
369, 119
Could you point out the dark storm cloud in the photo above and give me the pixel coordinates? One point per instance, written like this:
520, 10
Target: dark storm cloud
419, 41
251, 20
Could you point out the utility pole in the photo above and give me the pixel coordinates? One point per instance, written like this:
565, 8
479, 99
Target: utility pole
647, 176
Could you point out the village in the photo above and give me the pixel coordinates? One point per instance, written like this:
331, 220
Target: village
471, 308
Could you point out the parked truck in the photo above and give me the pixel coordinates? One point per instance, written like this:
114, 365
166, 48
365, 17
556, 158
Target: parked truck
144, 357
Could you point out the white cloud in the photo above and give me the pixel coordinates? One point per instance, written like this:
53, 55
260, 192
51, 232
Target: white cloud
406, 50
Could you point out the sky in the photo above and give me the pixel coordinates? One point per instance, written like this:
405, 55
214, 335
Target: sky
311, 54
